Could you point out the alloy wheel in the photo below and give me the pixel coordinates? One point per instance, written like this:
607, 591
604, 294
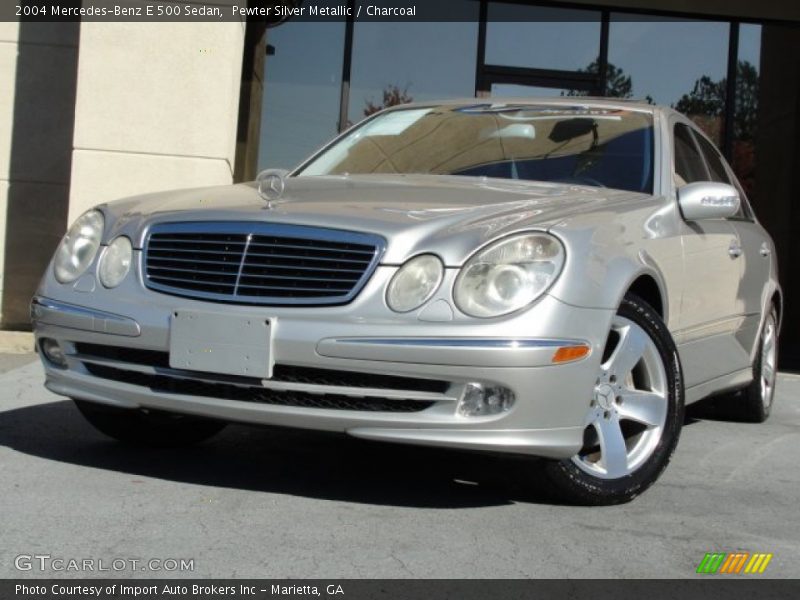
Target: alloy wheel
628, 409
769, 358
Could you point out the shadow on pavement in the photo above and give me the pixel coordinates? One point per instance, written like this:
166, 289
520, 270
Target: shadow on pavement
286, 461
721, 407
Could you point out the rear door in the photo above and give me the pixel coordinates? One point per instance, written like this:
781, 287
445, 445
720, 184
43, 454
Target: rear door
756, 252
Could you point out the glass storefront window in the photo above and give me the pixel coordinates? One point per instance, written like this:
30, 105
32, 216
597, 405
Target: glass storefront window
541, 37
746, 108
510, 90
302, 87
675, 62
667, 61
395, 63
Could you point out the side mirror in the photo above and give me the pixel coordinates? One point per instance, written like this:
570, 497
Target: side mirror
708, 200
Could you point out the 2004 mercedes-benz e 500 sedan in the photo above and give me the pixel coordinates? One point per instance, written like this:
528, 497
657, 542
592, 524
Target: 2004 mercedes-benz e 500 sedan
553, 278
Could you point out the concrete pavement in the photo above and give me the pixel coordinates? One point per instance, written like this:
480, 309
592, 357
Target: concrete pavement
275, 503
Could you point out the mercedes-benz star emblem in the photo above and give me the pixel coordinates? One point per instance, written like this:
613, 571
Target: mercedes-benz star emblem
271, 185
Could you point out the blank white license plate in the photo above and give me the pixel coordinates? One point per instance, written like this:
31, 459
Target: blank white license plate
221, 343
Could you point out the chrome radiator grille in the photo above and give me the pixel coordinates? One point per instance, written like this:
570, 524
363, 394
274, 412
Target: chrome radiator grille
259, 263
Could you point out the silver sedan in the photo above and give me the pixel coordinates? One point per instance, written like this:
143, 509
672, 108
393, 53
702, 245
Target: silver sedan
551, 278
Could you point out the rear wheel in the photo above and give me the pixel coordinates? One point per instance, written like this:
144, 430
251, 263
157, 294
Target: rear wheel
148, 428
756, 399
634, 416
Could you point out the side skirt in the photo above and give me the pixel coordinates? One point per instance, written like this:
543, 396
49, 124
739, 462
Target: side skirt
725, 383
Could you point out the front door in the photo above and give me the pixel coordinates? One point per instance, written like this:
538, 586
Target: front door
712, 267
756, 253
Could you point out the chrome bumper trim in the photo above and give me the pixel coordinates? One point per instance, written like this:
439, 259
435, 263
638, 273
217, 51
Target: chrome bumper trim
52, 312
487, 352
464, 342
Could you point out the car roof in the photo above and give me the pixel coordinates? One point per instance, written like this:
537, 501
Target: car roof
572, 101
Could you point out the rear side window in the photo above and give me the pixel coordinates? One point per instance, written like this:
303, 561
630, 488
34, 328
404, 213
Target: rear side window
689, 165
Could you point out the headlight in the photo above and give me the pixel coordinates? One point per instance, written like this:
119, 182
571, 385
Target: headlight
79, 247
414, 283
508, 274
115, 262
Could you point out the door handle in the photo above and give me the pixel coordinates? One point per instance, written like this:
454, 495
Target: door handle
734, 250
765, 249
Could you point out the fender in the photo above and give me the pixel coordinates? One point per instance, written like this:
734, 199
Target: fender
604, 260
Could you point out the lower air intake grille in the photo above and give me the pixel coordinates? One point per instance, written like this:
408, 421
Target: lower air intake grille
284, 373
165, 384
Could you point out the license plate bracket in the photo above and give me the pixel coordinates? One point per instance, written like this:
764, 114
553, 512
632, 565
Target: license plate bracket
221, 343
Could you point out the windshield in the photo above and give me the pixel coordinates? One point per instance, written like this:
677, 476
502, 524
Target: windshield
570, 144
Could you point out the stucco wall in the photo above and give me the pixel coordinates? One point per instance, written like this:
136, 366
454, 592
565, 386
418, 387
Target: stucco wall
37, 96
156, 108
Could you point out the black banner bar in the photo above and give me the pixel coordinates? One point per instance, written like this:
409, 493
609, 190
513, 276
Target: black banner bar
275, 12
729, 587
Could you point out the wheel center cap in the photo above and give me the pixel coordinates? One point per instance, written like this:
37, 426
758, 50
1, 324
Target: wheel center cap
604, 396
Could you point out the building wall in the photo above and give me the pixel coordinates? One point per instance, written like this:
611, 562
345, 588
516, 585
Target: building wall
37, 98
778, 164
156, 109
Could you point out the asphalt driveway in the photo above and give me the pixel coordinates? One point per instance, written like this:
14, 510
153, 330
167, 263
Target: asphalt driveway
274, 503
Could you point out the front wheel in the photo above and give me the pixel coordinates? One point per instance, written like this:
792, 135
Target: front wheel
634, 413
148, 428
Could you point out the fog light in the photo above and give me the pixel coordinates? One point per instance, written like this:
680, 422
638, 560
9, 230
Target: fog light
481, 400
52, 352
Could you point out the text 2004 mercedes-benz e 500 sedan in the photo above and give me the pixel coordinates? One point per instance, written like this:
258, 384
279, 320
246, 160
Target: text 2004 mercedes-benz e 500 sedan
549, 278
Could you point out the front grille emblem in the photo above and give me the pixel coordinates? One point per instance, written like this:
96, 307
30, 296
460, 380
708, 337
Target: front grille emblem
271, 185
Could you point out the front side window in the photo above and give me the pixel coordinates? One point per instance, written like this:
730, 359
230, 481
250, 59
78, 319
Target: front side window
713, 161
689, 165
719, 173
576, 145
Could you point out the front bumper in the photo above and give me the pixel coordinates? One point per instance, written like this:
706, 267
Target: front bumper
546, 419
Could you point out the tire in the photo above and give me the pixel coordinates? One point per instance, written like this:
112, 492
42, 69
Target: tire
755, 401
148, 428
634, 416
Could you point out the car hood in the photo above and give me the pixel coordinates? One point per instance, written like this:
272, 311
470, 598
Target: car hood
446, 215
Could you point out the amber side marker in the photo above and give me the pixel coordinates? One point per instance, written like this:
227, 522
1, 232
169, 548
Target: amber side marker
570, 353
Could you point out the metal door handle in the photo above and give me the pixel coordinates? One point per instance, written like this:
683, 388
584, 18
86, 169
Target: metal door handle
734, 250
765, 249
